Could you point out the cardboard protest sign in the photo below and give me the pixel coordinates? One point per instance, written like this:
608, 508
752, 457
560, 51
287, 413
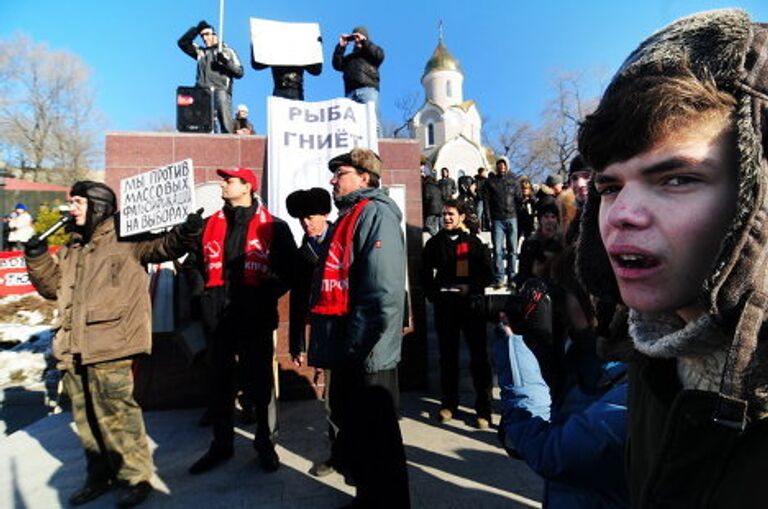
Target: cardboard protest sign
304, 136
156, 199
286, 44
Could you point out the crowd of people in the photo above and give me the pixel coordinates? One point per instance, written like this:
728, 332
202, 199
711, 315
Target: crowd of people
628, 338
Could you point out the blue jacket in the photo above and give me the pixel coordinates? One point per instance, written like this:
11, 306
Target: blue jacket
580, 455
371, 333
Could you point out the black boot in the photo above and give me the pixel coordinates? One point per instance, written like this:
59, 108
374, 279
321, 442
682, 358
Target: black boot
91, 490
267, 456
134, 495
214, 457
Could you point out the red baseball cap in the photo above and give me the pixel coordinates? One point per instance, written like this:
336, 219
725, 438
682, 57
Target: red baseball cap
246, 174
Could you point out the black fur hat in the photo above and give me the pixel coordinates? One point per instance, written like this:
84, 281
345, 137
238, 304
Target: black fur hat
307, 202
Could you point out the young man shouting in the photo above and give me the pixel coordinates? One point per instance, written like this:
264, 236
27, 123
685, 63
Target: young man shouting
675, 226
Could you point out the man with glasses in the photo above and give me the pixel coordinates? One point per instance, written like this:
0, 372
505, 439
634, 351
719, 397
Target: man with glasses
356, 306
102, 291
217, 66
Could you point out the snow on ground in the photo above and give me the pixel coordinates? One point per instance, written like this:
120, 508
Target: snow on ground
28, 363
26, 334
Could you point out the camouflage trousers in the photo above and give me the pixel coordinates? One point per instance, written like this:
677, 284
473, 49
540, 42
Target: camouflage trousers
109, 421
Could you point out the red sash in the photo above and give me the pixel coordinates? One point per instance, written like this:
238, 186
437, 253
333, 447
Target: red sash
257, 243
334, 288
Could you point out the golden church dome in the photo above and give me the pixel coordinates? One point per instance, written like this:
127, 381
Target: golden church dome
442, 60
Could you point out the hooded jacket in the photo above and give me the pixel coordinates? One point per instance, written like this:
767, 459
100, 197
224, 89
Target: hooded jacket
371, 333
102, 291
698, 399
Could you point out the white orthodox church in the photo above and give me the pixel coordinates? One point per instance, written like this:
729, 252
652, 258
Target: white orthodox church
447, 126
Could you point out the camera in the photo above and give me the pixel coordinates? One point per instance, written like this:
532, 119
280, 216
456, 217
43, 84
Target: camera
350, 38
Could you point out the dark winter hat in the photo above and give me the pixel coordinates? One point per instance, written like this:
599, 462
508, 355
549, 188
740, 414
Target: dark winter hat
308, 202
94, 192
577, 164
553, 180
361, 158
360, 30
204, 25
246, 174
102, 203
726, 47
548, 207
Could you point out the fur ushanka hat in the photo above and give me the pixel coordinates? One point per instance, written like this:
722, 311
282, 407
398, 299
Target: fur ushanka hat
727, 46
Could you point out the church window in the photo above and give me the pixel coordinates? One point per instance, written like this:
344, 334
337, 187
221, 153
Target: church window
448, 91
430, 134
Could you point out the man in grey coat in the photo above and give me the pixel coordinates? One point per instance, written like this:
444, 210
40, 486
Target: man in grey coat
357, 304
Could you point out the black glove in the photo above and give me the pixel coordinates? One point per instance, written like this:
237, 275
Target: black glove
194, 223
35, 247
222, 57
202, 26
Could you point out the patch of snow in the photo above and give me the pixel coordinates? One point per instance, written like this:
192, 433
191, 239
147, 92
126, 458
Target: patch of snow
21, 333
31, 317
21, 368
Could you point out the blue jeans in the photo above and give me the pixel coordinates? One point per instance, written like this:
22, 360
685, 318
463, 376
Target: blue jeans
504, 238
365, 95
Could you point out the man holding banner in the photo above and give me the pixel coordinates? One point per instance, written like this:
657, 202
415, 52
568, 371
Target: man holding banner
357, 305
246, 258
217, 66
102, 291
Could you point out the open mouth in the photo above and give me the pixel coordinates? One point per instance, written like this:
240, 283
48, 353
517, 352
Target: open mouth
635, 261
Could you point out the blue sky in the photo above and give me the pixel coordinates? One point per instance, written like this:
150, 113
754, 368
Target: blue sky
508, 49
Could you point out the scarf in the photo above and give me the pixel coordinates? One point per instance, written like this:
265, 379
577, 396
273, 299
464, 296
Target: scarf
333, 298
257, 243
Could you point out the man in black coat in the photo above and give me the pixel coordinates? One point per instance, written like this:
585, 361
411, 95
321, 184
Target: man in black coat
502, 195
246, 259
360, 67
456, 268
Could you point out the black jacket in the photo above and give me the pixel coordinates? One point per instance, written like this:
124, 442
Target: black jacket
502, 195
361, 67
289, 80
247, 305
432, 198
439, 264
306, 263
212, 70
447, 187
678, 456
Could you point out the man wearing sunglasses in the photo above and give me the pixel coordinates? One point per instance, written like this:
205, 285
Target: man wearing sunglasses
217, 66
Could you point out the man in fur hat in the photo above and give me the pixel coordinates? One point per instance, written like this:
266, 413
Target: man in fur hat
311, 207
675, 227
102, 291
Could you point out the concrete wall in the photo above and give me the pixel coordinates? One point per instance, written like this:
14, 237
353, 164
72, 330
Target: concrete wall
131, 153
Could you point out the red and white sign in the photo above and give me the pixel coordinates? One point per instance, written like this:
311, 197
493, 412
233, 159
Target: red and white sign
14, 279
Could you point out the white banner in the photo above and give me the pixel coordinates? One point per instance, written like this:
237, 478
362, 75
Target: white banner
286, 44
156, 199
303, 137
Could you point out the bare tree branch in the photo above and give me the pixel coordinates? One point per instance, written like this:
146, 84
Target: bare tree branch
48, 123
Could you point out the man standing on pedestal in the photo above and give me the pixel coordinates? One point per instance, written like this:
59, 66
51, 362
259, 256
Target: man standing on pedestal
217, 66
